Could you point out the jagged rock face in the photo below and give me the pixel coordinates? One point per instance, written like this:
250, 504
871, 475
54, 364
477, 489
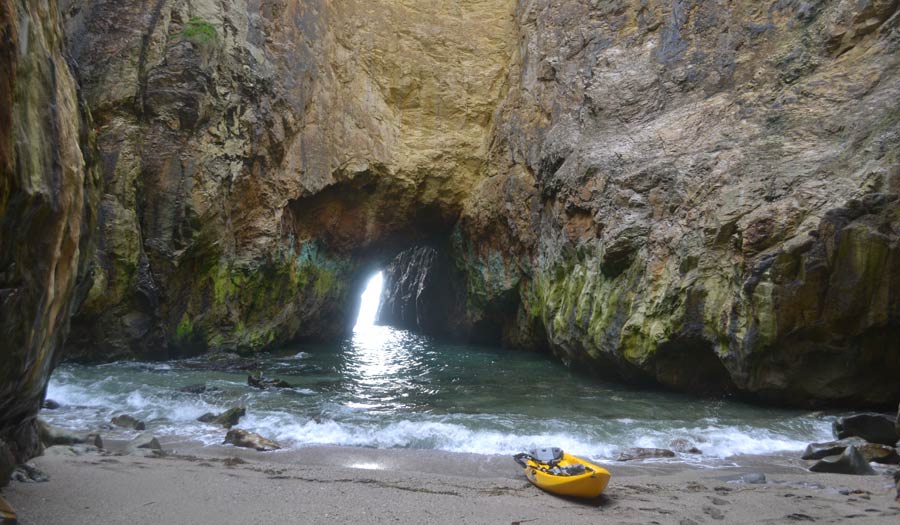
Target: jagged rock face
707, 194
698, 193
258, 156
48, 192
424, 291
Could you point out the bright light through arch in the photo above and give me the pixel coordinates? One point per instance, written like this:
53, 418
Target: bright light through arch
370, 299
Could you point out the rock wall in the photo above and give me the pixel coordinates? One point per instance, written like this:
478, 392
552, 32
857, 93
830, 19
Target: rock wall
48, 192
697, 193
702, 193
259, 157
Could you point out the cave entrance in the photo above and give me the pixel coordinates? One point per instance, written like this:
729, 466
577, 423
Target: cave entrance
369, 302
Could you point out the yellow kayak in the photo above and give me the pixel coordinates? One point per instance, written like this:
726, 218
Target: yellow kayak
559, 473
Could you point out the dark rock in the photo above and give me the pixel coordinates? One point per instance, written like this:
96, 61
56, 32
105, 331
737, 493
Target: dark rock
897, 482
257, 381
126, 421
194, 389
95, 440
850, 462
830, 448
227, 419
245, 439
7, 462
875, 452
644, 453
28, 473
422, 292
874, 428
684, 446
49, 404
49, 190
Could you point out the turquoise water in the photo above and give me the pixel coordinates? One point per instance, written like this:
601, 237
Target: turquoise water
390, 388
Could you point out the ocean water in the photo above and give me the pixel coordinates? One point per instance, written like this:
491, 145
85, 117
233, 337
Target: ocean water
389, 388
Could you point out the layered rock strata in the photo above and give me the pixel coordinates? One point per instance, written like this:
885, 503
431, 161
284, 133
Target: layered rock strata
48, 191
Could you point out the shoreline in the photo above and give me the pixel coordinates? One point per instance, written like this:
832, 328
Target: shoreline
215, 484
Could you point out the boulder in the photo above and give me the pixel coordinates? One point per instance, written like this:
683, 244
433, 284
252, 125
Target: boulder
684, 446
144, 441
874, 428
875, 452
51, 436
245, 439
227, 419
95, 440
851, 461
126, 421
644, 453
258, 381
831, 448
49, 404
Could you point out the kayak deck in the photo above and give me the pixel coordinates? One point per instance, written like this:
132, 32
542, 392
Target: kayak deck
590, 484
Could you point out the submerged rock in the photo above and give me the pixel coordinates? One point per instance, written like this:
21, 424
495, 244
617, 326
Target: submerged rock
245, 439
874, 428
227, 419
830, 448
849, 462
878, 453
49, 404
126, 421
257, 381
199, 388
631, 454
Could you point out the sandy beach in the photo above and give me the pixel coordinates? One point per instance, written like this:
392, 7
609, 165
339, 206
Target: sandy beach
358, 485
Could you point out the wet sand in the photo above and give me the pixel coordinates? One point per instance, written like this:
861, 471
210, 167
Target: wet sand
356, 485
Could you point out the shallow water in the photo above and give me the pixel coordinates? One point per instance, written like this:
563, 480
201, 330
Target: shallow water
389, 388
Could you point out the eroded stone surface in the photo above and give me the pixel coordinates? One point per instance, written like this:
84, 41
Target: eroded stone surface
48, 197
701, 194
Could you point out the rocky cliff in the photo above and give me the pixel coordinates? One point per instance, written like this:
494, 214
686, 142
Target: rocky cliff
696, 193
48, 192
703, 194
260, 157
